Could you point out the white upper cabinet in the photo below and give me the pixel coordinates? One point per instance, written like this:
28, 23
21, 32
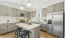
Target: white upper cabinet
26, 13
13, 12
44, 12
32, 14
2, 10
50, 9
22, 12
18, 12
9, 11
59, 6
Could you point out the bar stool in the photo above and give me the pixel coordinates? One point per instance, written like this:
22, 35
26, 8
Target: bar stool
17, 32
25, 33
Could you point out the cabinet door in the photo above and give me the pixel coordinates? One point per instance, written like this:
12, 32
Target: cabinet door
26, 13
18, 13
44, 12
32, 14
43, 27
23, 12
50, 8
2, 10
59, 6
13, 12
3, 28
9, 11
15, 26
10, 27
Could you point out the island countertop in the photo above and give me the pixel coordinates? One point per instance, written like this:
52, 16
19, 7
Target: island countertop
27, 26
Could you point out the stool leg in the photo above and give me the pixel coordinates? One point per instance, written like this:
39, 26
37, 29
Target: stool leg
16, 35
24, 37
19, 33
28, 36
21, 36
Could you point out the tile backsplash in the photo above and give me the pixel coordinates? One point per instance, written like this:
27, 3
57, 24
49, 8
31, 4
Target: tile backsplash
5, 18
14, 19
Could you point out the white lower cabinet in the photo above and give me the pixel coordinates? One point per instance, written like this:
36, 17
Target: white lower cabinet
7, 27
15, 26
10, 27
3, 28
43, 27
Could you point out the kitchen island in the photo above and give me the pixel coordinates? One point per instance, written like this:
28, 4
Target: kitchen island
33, 28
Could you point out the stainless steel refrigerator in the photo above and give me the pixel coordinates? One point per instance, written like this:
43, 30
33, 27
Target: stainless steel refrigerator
55, 23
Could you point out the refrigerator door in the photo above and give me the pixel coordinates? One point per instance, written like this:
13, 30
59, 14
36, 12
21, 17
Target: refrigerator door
58, 24
49, 26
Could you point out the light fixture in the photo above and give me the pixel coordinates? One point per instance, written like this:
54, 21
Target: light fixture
29, 4
22, 6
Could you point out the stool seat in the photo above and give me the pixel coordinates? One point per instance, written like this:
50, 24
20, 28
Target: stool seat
18, 28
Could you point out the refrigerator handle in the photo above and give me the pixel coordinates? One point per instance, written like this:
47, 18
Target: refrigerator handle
49, 21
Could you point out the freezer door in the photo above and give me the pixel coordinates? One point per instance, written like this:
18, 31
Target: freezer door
49, 26
58, 23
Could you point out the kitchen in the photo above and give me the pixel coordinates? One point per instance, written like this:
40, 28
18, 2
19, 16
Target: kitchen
42, 20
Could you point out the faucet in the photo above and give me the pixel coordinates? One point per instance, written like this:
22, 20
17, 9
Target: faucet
7, 20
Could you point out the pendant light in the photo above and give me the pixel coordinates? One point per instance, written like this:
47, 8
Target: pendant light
29, 4
22, 6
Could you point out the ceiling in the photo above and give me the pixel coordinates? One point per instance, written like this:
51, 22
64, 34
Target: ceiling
35, 3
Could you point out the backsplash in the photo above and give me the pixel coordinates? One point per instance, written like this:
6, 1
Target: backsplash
14, 19
5, 18
37, 19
